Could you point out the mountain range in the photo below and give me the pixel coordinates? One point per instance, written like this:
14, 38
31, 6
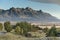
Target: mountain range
26, 14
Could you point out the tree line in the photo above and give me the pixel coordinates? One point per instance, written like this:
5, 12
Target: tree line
23, 28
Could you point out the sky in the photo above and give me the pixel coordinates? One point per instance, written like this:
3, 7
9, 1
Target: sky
52, 7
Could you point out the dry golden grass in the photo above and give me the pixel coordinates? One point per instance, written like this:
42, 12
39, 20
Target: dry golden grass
10, 36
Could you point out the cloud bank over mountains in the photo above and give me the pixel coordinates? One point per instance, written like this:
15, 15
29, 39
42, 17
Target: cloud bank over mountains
48, 1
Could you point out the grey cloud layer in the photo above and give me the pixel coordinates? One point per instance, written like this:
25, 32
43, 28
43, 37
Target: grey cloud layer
47, 1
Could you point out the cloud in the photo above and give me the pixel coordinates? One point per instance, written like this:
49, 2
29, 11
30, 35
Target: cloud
47, 1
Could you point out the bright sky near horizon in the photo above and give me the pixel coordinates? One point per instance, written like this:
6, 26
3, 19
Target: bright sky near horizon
53, 9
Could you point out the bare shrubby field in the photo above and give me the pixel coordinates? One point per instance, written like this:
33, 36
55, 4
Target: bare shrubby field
10, 36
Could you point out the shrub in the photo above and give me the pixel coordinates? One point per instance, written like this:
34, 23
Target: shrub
52, 32
17, 30
1, 26
7, 26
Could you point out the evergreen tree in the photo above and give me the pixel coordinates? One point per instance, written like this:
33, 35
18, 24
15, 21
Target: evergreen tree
7, 26
1, 26
52, 32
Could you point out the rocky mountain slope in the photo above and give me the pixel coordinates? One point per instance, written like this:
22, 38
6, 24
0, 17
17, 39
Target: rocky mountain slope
26, 14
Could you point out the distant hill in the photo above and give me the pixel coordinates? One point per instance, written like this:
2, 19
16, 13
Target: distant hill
26, 14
